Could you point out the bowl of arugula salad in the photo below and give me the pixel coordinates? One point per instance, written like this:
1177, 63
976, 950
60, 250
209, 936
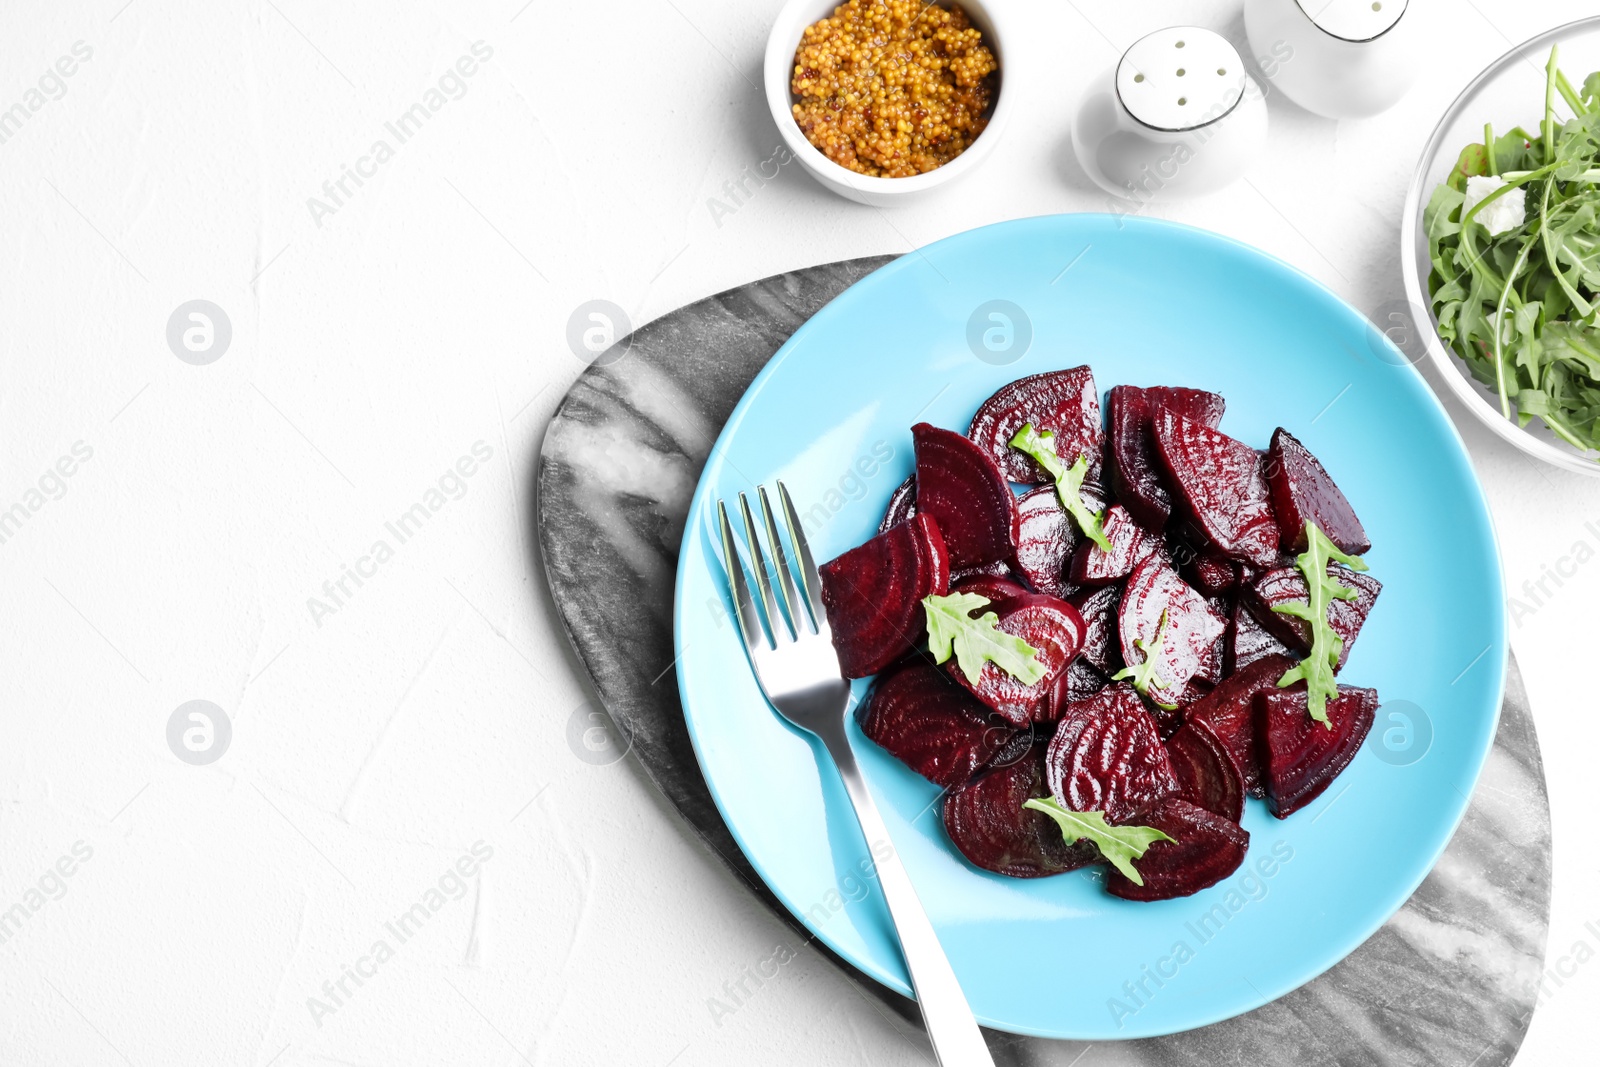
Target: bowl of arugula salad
1501, 247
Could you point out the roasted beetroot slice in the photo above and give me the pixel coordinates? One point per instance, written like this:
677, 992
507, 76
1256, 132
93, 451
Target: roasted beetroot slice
1228, 712
1303, 492
1130, 545
1207, 773
1248, 640
1101, 646
1045, 539
1301, 757
1205, 849
997, 589
960, 486
1078, 682
989, 826
1212, 575
1133, 471
1191, 632
1019, 747
1287, 584
1065, 402
1170, 720
1196, 405
1107, 756
1055, 629
1213, 663
988, 570
931, 724
1219, 486
902, 504
873, 594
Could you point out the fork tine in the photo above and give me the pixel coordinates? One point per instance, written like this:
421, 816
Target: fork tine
780, 560
758, 563
745, 613
810, 580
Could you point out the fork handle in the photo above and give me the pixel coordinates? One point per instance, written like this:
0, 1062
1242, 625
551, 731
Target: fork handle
957, 1041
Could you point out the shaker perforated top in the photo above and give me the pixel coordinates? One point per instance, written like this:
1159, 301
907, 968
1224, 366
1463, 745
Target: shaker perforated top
1180, 78
1354, 20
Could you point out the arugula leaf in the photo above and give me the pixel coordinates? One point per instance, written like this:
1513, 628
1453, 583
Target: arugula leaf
1317, 669
1472, 162
1120, 845
1144, 674
1069, 481
976, 641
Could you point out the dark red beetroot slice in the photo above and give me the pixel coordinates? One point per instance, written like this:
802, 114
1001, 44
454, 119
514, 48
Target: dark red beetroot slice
1287, 584
1212, 575
1107, 756
1019, 747
902, 504
1219, 486
1302, 491
1207, 773
1130, 545
1065, 402
960, 486
989, 826
1100, 642
1170, 720
873, 594
931, 724
1133, 471
1189, 638
1046, 535
1213, 662
1079, 681
1228, 711
1055, 629
998, 590
1205, 849
1301, 757
1210, 671
988, 570
1247, 640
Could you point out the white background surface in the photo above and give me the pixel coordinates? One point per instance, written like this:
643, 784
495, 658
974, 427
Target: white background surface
369, 353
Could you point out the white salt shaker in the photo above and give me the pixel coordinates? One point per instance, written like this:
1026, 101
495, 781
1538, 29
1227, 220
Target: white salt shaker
1178, 116
1343, 59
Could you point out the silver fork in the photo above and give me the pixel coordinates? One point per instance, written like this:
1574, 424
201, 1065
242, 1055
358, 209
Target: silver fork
797, 667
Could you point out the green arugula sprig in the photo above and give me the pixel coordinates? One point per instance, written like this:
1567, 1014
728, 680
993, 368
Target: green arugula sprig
975, 642
1069, 480
1522, 307
1120, 845
1317, 669
1144, 674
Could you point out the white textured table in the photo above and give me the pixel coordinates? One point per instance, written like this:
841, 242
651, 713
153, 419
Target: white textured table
413, 321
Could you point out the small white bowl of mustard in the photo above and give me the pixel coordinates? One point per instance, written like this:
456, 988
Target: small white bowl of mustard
885, 125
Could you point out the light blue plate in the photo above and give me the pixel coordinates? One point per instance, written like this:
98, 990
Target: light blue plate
1144, 303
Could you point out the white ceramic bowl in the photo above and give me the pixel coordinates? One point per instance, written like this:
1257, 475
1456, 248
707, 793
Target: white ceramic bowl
1178, 116
1510, 92
1342, 59
987, 15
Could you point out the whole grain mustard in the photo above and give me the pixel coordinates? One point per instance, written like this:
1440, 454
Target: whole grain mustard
893, 88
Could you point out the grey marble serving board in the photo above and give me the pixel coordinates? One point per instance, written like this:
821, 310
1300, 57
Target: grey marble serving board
1450, 981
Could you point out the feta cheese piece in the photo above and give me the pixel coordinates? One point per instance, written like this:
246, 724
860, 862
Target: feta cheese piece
1506, 213
1507, 331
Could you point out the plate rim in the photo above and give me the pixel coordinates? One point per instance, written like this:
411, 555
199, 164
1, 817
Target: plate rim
1415, 381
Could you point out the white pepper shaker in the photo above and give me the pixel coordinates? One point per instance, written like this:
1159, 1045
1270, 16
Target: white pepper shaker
1178, 116
1343, 59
